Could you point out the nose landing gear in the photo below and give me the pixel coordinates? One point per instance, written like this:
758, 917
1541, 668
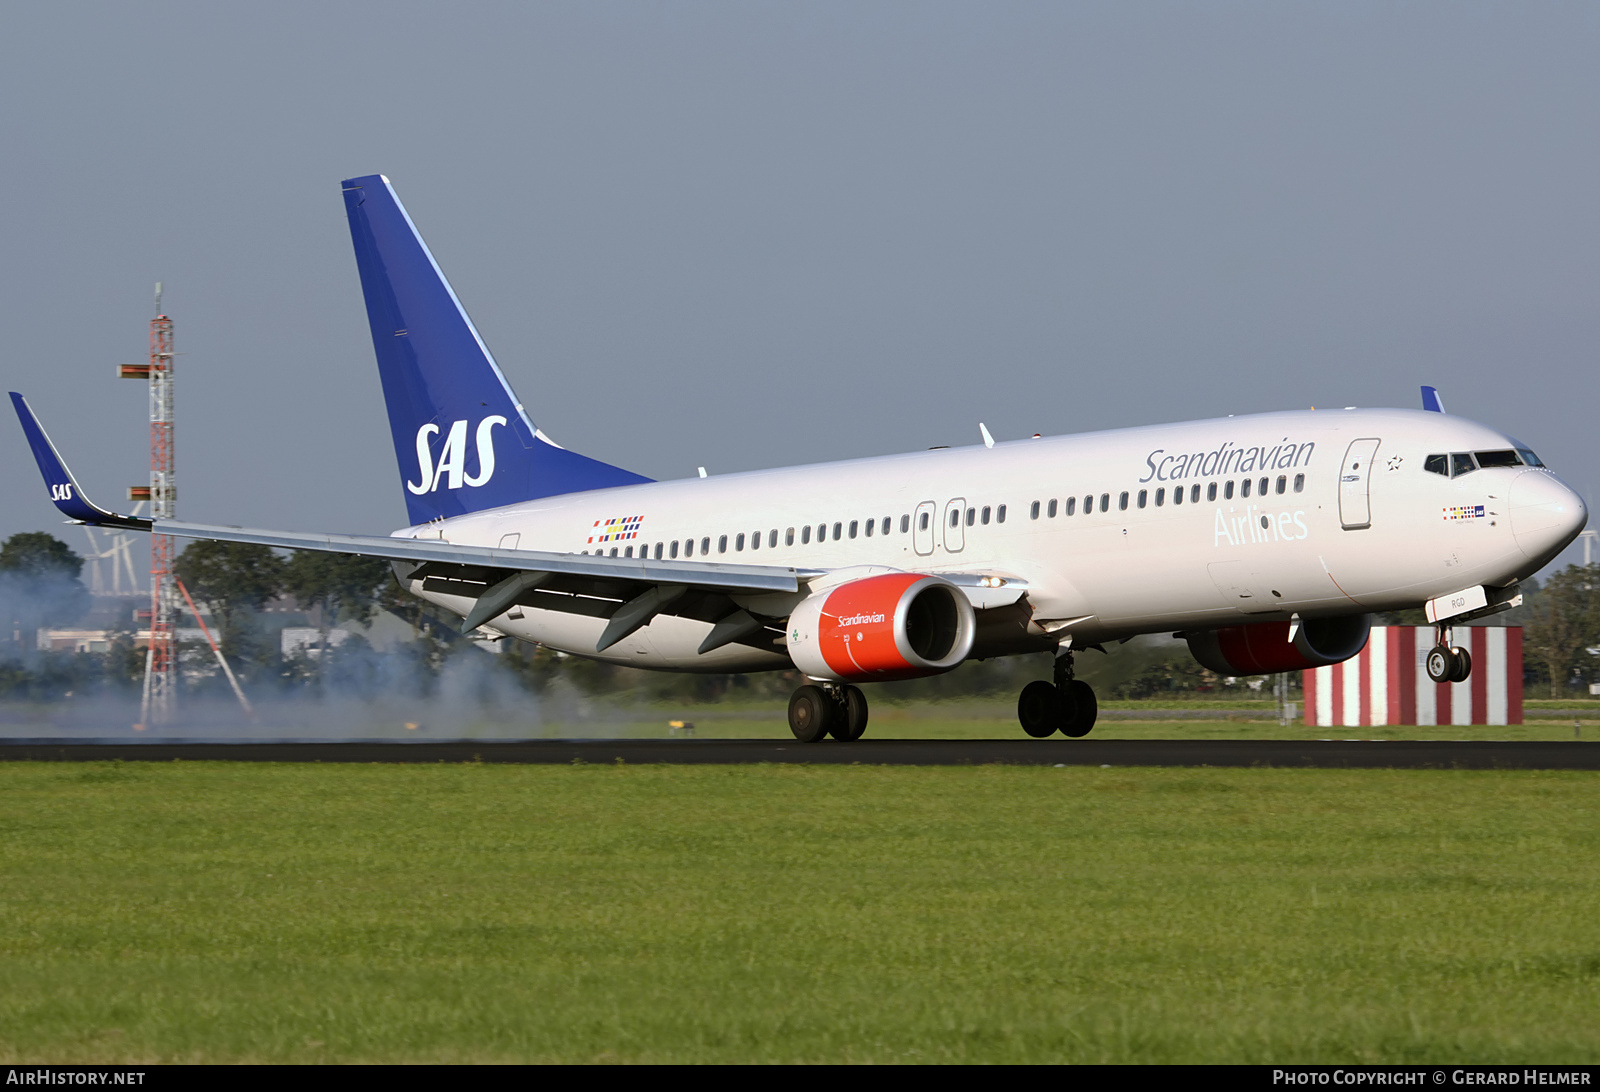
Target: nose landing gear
827, 709
1067, 706
1447, 662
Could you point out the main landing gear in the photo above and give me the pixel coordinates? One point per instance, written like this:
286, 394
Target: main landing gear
1447, 662
1067, 706
827, 709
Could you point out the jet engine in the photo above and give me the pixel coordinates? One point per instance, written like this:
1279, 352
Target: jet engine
879, 628
1264, 648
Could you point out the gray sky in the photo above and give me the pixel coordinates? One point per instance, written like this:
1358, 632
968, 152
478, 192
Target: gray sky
748, 235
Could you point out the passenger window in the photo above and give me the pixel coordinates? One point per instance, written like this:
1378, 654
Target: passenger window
1244, 488
1088, 505
613, 551
805, 535
674, 549
922, 523
1122, 501
1000, 514
1437, 464
871, 523
1211, 491
660, 550
984, 518
1144, 497
1050, 509
628, 552
738, 543
755, 540
853, 528
822, 532
1177, 495
1033, 512
1194, 493
1105, 502
688, 547
905, 523
1072, 505
722, 544
1461, 463
772, 538
1262, 491
1299, 482
1227, 491
1283, 483
705, 545
888, 521
972, 515
955, 517
836, 528
788, 536
1161, 497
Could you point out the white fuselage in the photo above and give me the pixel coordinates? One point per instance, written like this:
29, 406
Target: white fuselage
1322, 537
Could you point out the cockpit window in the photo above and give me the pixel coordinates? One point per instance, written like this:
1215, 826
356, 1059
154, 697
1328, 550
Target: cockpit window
1529, 457
1487, 459
1461, 463
1437, 464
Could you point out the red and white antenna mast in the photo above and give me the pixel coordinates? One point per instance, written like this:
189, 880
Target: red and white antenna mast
161, 660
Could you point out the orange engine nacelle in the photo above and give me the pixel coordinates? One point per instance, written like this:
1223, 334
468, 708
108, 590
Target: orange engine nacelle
878, 628
1264, 648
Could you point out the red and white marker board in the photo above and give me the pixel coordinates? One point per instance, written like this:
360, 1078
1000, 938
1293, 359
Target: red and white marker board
1388, 682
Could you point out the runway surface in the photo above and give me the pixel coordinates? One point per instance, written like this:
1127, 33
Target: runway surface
1321, 754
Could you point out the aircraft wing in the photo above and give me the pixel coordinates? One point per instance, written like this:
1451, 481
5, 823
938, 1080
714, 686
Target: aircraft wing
438, 553
628, 591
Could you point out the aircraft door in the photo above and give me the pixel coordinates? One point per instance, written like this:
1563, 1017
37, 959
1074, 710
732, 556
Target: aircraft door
922, 529
954, 533
1355, 477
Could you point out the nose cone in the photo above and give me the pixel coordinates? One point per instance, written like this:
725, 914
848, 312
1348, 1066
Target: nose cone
1545, 514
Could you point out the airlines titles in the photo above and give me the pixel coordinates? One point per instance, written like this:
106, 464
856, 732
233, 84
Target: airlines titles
1225, 460
1257, 526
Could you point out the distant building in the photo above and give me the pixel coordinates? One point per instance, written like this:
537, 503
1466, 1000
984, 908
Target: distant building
99, 640
307, 640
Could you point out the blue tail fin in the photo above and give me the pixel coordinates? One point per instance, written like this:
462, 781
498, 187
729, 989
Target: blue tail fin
461, 437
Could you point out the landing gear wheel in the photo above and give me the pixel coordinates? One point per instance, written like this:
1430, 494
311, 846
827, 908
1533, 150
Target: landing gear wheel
1463, 667
851, 714
811, 714
1082, 709
1441, 664
1039, 709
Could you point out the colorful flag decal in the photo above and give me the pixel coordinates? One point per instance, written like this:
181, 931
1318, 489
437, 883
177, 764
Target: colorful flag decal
616, 529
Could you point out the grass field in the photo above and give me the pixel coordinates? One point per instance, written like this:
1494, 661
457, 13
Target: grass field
995, 718
219, 912
976, 721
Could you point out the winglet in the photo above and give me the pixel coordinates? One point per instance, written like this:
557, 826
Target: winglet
1431, 400
64, 490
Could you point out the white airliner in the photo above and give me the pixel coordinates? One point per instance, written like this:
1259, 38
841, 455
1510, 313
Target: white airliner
1266, 540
